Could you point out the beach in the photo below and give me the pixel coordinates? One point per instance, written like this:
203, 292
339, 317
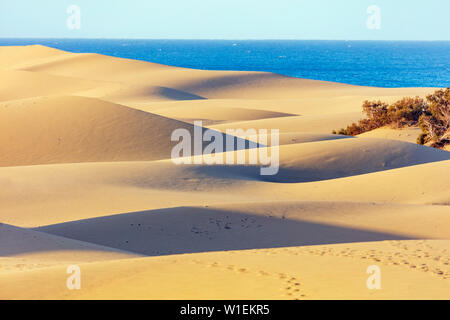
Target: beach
87, 179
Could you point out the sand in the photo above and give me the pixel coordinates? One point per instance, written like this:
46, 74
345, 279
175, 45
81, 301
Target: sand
86, 179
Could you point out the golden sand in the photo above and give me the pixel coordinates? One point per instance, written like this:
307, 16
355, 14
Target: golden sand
86, 179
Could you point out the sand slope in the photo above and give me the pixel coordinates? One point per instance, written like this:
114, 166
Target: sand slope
76, 129
61, 129
26, 249
11, 56
86, 179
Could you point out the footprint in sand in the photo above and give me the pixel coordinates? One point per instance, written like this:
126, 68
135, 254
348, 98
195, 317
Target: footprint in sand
289, 285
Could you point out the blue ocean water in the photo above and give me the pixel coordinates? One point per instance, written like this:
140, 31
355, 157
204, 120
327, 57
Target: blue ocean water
369, 63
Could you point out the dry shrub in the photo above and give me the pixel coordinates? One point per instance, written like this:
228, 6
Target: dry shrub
431, 115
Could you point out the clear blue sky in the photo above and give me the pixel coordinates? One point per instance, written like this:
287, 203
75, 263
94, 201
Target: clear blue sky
228, 19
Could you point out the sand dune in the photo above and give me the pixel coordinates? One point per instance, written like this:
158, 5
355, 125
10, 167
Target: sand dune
325, 123
76, 129
10, 57
257, 225
30, 247
331, 159
209, 112
82, 191
96, 66
86, 179
404, 134
348, 157
209, 84
66, 129
137, 95
288, 273
39, 85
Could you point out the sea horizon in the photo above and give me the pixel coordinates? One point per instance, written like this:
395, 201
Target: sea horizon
376, 63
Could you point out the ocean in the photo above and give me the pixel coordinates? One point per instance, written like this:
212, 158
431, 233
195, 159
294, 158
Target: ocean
370, 63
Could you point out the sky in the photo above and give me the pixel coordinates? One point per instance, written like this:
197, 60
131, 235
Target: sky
227, 19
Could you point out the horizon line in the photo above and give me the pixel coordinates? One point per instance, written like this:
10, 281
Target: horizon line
225, 39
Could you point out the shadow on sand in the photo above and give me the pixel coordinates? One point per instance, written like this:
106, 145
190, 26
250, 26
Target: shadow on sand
195, 229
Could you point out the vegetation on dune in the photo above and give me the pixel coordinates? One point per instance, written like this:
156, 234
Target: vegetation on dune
435, 122
432, 115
